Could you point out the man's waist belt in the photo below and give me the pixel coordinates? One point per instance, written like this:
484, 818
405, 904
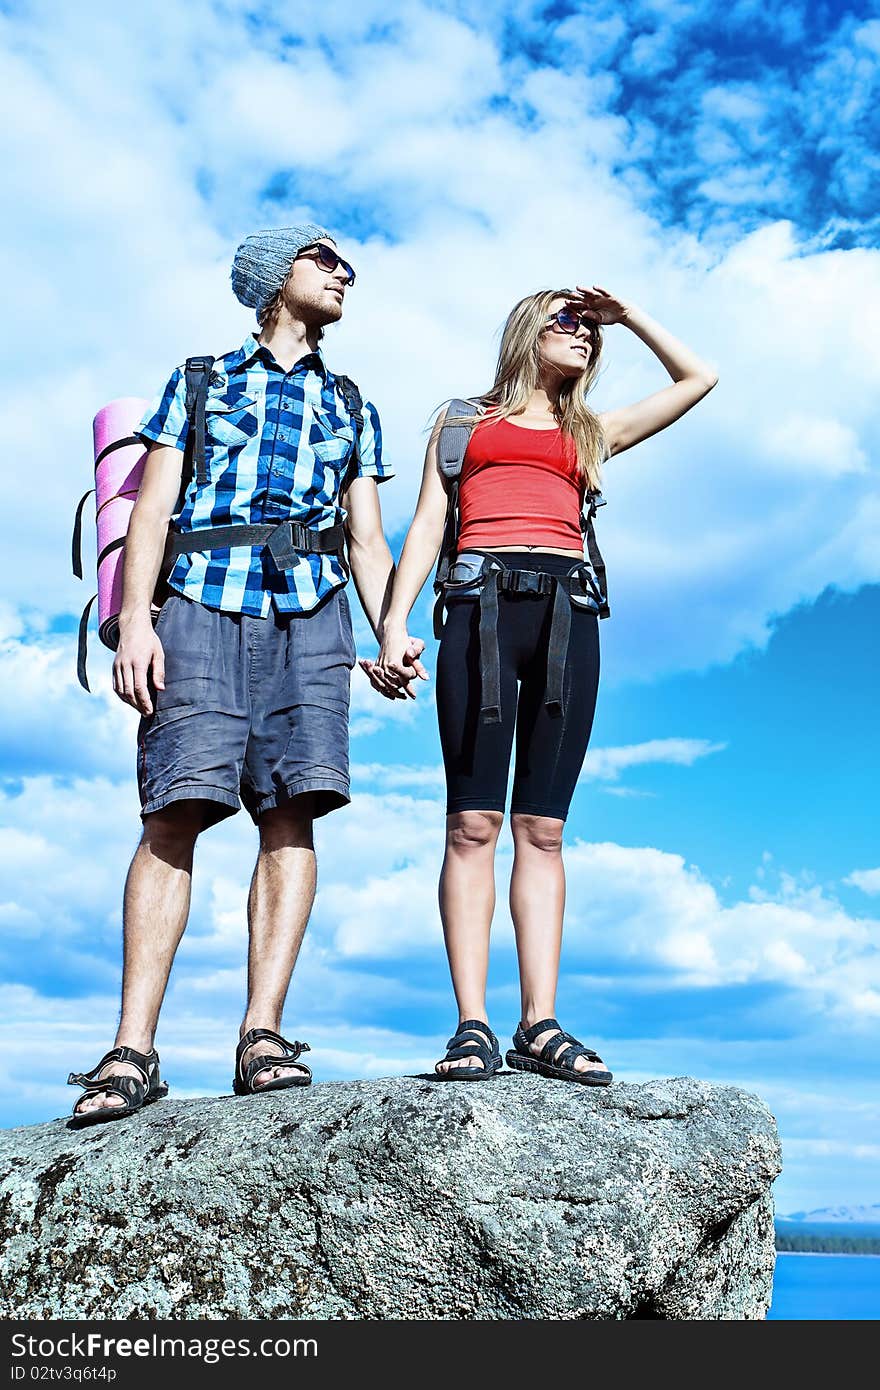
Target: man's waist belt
284, 540
579, 588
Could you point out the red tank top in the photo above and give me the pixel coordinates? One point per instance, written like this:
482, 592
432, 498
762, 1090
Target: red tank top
519, 486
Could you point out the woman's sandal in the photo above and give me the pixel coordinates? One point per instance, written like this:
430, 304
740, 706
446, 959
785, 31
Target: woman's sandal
135, 1091
243, 1081
471, 1041
521, 1058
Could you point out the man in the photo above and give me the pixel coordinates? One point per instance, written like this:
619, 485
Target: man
243, 686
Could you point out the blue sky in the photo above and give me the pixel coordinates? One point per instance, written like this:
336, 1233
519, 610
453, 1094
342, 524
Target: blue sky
715, 164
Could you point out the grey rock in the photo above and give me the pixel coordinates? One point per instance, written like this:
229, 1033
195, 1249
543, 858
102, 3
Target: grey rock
399, 1198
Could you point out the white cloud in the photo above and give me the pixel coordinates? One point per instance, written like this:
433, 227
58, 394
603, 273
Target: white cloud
828, 1148
606, 764
869, 35
399, 777
742, 104
48, 721
628, 792
648, 908
812, 445
866, 879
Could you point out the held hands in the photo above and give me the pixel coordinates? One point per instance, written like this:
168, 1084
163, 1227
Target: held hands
397, 666
596, 303
139, 650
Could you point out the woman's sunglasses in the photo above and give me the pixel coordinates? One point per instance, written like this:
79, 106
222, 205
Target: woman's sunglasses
328, 258
567, 321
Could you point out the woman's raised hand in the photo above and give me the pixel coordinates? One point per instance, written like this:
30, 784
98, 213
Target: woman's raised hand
597, 303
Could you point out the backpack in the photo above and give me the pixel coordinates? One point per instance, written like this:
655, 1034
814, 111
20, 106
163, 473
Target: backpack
119, 466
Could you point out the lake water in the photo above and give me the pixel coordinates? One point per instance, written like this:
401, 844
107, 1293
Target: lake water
820, 1287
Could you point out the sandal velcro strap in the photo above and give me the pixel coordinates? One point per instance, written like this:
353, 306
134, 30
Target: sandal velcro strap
563, 1057
144, 1064
258, 1034
479, 1050
474, 1039
481, 1027
128, 1088
246, 1071
549, 1050
531, 1033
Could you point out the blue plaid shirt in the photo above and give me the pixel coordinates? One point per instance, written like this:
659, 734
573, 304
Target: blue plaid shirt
277, 445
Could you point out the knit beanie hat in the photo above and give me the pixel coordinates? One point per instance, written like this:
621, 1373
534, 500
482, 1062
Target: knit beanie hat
263, 260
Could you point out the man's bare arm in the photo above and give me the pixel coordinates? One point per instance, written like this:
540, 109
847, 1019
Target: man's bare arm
372, 569
140, 651
372, 564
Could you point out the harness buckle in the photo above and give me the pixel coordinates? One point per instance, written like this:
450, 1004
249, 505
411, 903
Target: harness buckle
528, 582
280, 545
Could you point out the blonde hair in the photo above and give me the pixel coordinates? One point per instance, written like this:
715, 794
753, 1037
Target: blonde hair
518, 373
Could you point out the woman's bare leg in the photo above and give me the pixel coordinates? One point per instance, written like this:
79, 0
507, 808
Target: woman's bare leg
537, 904
467, 902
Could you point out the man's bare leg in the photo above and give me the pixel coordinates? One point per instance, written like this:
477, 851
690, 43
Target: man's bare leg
155, 911
279, 903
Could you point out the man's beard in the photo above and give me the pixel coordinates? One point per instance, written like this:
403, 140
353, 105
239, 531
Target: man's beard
323, 309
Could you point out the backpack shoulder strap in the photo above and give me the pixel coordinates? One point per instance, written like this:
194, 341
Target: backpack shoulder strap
452, 443
453, 440
198, 376
351, 398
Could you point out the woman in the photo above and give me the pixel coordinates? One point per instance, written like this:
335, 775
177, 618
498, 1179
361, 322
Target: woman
533, 456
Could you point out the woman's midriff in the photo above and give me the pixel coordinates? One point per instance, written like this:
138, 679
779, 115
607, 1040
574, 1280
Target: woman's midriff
521, 545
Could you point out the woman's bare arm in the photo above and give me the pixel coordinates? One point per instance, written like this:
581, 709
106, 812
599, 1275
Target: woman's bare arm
423, 539
693, 378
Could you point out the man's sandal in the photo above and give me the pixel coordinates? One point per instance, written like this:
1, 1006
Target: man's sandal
134, 1091
521, 1058
473, 1039
243, 1081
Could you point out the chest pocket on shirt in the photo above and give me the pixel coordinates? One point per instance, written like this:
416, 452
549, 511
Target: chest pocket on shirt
331, 438
230, 421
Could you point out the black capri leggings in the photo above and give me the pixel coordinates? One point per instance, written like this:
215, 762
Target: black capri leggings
550, 750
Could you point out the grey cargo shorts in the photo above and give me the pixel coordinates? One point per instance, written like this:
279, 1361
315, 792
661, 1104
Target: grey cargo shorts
256, 707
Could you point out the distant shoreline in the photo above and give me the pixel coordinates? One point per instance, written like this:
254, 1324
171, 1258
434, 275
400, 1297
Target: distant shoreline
834, 1254
857, 1238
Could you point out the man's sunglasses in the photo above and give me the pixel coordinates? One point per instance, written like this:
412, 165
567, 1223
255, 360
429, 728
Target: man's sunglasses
328, 258
567, 321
